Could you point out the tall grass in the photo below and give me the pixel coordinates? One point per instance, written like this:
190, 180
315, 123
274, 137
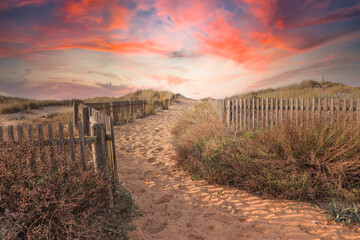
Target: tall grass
148, 94
313, 162
13, 105
56, 199
307, 89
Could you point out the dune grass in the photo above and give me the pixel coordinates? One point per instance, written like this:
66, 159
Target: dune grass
148, 94
314, 162
307, 89
14, 105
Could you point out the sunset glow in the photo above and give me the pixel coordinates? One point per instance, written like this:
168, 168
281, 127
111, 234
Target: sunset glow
199, 48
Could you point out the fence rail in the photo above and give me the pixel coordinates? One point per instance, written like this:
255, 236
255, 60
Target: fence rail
243, 114
94, 130
93, 124
124, 111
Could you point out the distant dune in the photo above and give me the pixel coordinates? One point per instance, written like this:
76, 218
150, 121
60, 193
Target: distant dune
307, 89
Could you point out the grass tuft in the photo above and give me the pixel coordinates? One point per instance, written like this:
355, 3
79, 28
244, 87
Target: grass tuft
312, 162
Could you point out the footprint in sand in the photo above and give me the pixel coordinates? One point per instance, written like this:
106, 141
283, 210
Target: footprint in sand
151, 160
159, 149
163, 199
155, 226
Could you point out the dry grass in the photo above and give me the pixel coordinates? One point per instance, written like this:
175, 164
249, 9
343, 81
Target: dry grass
13, 105
57, 200
307, 89
314, 162
147, 94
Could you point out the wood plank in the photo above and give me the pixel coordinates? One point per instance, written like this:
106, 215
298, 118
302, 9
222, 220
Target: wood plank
291, 110
245, 114
345, 110
82, 145
325, 109
262, 112
276, 111
11, 133
249, 113
307, 109
61, 139
302, 110
253, 113
297, 112
1, 134
228, 112
51, 140
98, 131
20, 133
281, 110
113, 149
72, 142
75, 112
240, 114
30, 133
272, 112
319, 109
236, 114
258, 113
31, 140
332, 110
86, 121
267, 113
351, 110
40, 140
313, 107
338, 112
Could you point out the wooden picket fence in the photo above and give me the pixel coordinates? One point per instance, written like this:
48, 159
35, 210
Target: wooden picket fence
255, 113
124, 111
95, 130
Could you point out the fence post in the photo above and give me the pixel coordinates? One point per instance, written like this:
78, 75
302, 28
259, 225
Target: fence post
1, 134
76, 113
11, 133
86, 121
227, 112
98, 148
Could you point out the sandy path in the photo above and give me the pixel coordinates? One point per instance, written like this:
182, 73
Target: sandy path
175, 207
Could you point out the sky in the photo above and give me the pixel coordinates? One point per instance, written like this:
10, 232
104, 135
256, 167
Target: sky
199, 48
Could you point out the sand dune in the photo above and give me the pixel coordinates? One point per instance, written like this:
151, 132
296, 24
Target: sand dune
175, 207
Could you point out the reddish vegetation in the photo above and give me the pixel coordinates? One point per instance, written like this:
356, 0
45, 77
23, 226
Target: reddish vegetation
66, 203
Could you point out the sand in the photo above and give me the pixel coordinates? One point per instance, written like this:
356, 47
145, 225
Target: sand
175, 207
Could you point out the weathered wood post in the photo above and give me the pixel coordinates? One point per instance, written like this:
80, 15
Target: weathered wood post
11, 133
228, 112
1, 134
76, 113
166, 106
99, 148
86, 121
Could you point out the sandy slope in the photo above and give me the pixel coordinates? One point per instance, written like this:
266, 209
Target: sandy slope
175, 207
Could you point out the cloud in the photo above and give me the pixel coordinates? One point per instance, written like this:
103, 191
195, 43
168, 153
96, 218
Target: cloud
171, 80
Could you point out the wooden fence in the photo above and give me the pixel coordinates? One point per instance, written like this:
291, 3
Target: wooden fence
94, 130
244, 114
124, 111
